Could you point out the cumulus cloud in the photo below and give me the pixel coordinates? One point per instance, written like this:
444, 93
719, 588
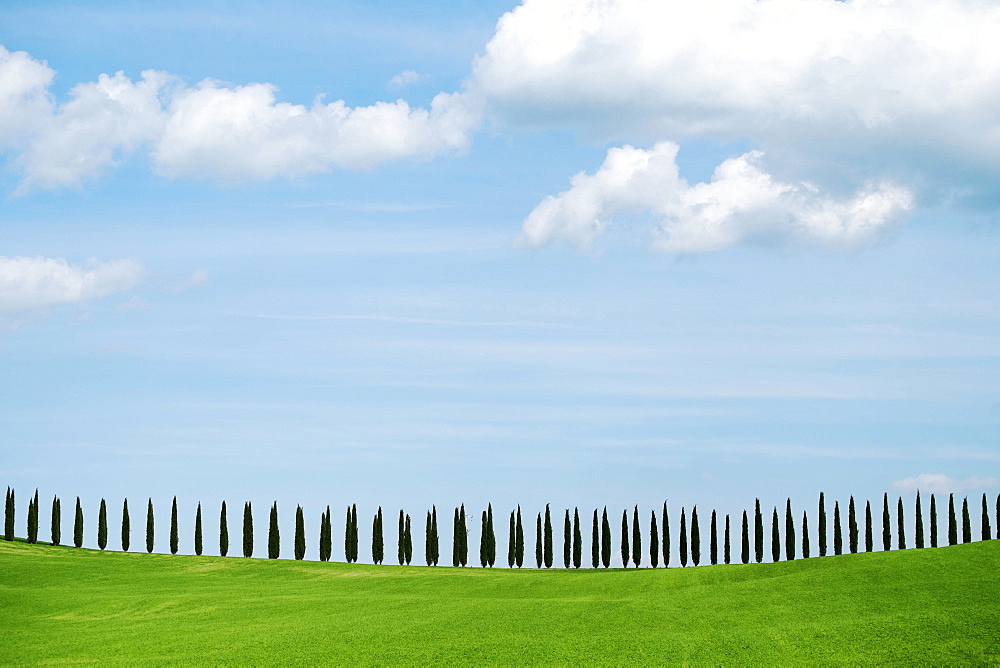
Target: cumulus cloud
405, 78
32, 283
938, 483
741, 203
24, 98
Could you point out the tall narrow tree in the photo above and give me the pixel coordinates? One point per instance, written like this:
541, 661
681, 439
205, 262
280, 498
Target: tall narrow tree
805, 535
727, 554
758, 533
401, 539
952, 523
682, 540
173, 527
491, 542
511, 541
934, 523
567, 540
595, 542
821, 526
713, 545
325, 536
519, 544
126, 527
436, 541
484, 550
463, 526
869, 542
548, 538
247, 530
966, 523
538, 541
56, 521
273, 535
789, 531
102, 526
409, 542
347, 537
149, 525
636, 538
428, 550
838, 538
8, 516
33, 519
654, 540
986, 534
198, 545
900, 524
666, 536
624, 543
852, 526
378, 538
223, 531
997, 516
886, 528
577, 540
605, 539
695, 538
745, 548
354, 532
300, 534
918, 526
775, 537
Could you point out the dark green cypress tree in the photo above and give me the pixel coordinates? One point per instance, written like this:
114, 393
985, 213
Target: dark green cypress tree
666, 537
8, 516
33, 519
436, 537
401, 539
273, 537
484, 550
852, 527
102, 526
491, 544
56, 521
567, 540
934, 523
821, 526
198, 546
805, 535
966, 523
789, 531
624, 545
886, 528
654, 541
322, 536
347, 537
463, 526
952, 523
428, 548
577, 540
605, 539
149, 526
997, 516
378, 539
713, 546
869, 542
636, 538
173, 527
300, 534
511, 543
455, 543
745, 549
918, 528
775, 537
247, 530
758, 533
223, 531
519, 544
409, 542
595, 542
987, 534
900, 524
547, 553
538, 541
695, 538
354, 532
127, 528
326, 535
727, 554
838, 537
682, 540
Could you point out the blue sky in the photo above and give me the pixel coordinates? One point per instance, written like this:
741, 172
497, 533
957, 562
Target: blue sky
579, 254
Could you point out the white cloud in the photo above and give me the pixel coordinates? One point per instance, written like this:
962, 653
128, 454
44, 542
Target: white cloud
405, 79
938, 483
195, 279
24, 98
31, 283
740, 203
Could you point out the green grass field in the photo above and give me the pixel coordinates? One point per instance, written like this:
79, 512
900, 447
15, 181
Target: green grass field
67, 605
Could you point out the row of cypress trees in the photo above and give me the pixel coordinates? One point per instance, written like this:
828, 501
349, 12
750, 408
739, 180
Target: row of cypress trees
630, 541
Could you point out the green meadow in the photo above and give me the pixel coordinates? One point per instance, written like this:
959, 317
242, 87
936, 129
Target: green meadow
67, 605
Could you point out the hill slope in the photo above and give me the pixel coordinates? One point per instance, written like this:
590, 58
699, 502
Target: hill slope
60, 604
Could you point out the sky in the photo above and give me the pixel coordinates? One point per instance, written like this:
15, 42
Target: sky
574, 253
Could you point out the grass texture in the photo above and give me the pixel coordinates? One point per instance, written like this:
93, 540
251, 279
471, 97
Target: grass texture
66, 605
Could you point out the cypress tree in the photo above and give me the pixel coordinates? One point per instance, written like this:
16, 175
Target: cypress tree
463, 555
934, 524
997, 523
223, 531
852, 526
695, 538
838, 538
378, 538
577, 540
666, 537
567, 540
401, 539
745, 549
821, 526
918, 528
595, 542
247, 530
682, 540
805, 535
300, 534
409, 542
869, 542
56, 521
197, 531
436, 544
102, 526
636, 538
605, 539
713, 547
952, 524
548, 538
484, 550
273, 537
901, 529
624, 545
149, 525
726, 544
347, 536
886, 529
428, 549
8, 516
538, 540
775, 537
519, 544
173, 527
789, 531
33, 519
329, 533
325, 539
511, 543
758, 533
491, 544
654, 540
966, 523
354, 532
987, 534
127, 527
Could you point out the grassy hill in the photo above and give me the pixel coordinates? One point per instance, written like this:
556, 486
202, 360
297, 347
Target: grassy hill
65, 605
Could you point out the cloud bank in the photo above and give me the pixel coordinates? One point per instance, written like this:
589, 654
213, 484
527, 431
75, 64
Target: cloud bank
32, 283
